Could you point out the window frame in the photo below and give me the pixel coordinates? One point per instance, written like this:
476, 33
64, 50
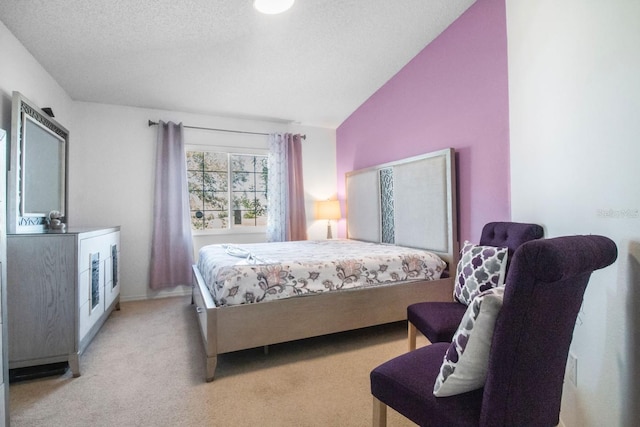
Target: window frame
229, 151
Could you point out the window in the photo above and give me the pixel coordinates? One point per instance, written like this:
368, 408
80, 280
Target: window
227, 190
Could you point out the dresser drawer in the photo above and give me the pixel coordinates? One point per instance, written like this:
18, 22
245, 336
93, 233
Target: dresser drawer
89, 247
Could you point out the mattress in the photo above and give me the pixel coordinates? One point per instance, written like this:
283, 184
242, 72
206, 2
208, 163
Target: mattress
251, 273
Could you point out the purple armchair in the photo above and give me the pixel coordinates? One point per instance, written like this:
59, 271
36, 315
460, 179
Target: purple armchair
529, 345
438, 321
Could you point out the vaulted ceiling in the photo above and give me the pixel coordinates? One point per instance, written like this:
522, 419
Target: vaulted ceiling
314, 64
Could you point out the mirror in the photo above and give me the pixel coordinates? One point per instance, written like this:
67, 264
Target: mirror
42, 170
37, 179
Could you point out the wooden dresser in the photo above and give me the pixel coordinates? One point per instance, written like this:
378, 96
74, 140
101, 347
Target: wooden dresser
61, 287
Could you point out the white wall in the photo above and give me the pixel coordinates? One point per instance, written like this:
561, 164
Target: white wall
574, 91
112, 156
19, 71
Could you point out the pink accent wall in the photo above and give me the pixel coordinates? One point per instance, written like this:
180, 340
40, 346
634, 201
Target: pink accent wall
454, 93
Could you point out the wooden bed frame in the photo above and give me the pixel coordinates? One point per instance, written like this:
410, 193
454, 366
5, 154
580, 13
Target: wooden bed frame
232, 328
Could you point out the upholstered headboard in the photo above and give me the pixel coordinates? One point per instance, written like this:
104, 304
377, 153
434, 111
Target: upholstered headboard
409, 202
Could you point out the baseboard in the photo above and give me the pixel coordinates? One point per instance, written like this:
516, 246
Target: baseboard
180, 291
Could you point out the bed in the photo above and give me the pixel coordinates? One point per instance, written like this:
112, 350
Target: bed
409, 203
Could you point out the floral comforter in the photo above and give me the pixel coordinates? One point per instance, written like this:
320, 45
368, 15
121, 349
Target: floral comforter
248, 273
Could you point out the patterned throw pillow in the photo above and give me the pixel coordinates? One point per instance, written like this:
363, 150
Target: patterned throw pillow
465, 363
480, 268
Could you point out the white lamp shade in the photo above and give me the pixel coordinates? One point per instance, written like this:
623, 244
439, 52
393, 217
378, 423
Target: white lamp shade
272, 7
328, 209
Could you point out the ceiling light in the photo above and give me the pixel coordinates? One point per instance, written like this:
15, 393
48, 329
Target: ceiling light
271, 7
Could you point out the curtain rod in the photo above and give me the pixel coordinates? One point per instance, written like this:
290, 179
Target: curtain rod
151, 123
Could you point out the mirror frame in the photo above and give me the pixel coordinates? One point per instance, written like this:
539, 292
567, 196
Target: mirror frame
19, 221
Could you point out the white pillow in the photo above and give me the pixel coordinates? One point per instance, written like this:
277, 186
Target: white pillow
464, 367
480, 268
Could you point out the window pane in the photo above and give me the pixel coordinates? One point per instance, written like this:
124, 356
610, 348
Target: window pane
242, 218
239, 200
261, 183
261, 203
195, 200
215, 220
247, 207
214, 181
195, 180
261, 209
261, 220
196, 223
216, 161
218, 201
243, 181
263, 174
242, 163
195, 161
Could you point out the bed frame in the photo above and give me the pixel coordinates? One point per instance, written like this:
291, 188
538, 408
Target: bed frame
411, 202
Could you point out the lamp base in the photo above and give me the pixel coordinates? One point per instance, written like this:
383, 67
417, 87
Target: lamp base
329, 235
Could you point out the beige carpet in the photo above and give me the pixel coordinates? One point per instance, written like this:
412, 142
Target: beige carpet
146, 368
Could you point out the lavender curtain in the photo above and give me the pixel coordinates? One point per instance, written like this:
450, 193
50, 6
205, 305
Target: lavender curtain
171, 247
287, 219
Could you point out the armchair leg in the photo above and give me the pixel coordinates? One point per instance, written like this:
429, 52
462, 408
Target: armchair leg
379, 413
412, 336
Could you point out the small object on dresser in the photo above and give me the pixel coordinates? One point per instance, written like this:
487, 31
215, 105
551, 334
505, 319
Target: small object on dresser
55, 222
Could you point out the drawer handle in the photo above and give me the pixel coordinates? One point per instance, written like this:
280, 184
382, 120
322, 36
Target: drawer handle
198, 309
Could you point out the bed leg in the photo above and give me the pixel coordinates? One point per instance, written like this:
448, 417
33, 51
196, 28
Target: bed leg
379, 413
411, 336
266, 350
212, 361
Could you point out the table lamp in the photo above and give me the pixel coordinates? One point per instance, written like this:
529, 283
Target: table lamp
329, 210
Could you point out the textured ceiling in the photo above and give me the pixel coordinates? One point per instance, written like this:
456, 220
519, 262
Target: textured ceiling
314, 64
